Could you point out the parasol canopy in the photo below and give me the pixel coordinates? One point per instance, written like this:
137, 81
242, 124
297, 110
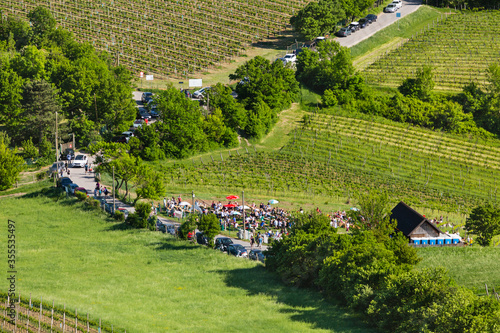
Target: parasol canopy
232, 197
273, 201
230, 205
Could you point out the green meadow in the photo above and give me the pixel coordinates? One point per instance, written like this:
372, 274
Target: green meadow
143, 281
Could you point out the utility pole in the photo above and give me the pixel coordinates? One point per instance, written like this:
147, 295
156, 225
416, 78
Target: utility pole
192, 202
113, 190
244, 221
57, 156
95, 105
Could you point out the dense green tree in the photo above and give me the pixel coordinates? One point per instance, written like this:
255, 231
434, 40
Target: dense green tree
233, 112
210, 226
16, 31
150, 145
318, 18
182, 124
84, 129
420, 87
149, 184
42, 24
29, 63
189, 225
11, 87
10, 164
484, 221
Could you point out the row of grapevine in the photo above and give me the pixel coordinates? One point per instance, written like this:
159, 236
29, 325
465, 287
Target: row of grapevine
459, 47
171, 37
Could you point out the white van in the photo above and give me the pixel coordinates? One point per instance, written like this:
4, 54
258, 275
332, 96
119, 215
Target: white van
80, 161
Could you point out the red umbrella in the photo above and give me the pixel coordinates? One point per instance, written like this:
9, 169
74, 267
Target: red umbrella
232, 197
230, 205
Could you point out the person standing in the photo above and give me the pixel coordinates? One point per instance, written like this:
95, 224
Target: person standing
86, 167
252, 241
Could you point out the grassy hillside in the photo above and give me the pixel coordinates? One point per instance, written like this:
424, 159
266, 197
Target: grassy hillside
167, 37
336, 157
459, 47
148, 282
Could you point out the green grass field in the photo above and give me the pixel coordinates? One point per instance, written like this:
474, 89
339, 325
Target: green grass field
148, 282
472, 267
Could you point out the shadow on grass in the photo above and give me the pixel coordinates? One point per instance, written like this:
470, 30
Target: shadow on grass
303, 305
173, 244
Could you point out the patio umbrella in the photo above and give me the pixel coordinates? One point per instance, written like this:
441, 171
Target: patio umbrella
235, 213
230, 205
243, 207
273, 202
354, 209
232, 197
184, 203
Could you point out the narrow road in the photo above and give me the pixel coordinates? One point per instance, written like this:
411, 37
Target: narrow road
383, 20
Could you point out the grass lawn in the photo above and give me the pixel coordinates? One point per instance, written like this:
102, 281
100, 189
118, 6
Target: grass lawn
149, 282
472, 267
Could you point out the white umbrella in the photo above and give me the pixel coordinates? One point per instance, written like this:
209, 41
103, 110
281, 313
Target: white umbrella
184, 203
235, 213
273, 201
243, 207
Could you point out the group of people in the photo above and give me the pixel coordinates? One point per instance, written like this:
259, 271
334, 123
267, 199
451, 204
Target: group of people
100, 190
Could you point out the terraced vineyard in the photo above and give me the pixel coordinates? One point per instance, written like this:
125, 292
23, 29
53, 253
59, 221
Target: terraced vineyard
338, 156
459, 48
168, 37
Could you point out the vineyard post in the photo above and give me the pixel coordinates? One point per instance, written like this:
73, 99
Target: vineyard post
28, 317
40, 316
76, 320
99, 325
64, 318
88, 327
52, 317
221, 158
192, 202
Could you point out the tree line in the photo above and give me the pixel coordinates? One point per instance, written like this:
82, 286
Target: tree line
373, 271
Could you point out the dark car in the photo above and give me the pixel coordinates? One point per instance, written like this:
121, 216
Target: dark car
222, 243
119, 139
65, 181
146, 97
371, 18
67, 155
237, 250
343, 32
354, 26
363, 22
201, 238
256, 254
143, 114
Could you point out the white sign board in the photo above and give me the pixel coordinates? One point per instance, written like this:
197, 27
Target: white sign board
195, 83
149, 77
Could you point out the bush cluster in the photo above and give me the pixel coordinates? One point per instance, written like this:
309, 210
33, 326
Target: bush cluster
373, 273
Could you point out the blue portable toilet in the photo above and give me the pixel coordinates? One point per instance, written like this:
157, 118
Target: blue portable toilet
432, 241
440, 241
455, 240
415, 241
425, 241
447, 240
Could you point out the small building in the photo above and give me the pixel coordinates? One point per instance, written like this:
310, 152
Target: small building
416, 227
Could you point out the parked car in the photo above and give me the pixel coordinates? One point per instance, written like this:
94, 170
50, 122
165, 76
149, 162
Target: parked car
144, 114
200, 93
290, 58
81, 189
138, 123
398, 3
391, 8
371, 18
363, 23
256, 254
318, 39
343, 32
201, 238
222, 243
146, 96
57, 166
67, 155
128, 135
354, 26
154, 113
79, 161
64, 181
244, 81
119, 139
72, 187
237, 250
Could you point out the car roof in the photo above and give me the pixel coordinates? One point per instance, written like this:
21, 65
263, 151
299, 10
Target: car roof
354, 23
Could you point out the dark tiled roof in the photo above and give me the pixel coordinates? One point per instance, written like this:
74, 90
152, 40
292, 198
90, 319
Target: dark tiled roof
408, 219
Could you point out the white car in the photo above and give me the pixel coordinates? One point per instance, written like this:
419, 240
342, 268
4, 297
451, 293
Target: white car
128, 135
398, 3
290, 58
391, 8
80, 161
201, 92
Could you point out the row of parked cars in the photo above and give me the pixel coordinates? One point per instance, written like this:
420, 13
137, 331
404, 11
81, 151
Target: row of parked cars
393, 6
355, 26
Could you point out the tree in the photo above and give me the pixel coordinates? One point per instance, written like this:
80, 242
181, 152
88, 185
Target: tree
318, 18
484, 221
188, 226
39, 107
30, 63
149, 184
374, 214
10, 163
11, 88
42, 23
421, 87
233, 112
209, 225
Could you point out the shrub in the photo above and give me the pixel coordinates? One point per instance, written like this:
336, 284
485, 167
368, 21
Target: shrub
119, 216
80, 195
189, 225
41, 175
